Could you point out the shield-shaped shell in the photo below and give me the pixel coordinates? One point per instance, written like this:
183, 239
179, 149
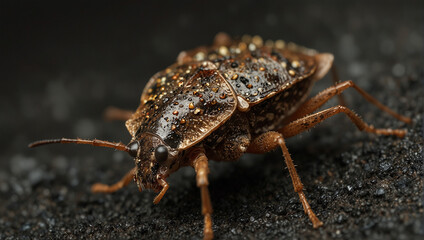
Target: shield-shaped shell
187, 101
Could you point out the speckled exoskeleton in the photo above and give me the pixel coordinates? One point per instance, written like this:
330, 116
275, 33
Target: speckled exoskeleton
221, 101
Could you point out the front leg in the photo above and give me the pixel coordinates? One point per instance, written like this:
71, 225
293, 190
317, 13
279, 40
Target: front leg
104, 188
199, 162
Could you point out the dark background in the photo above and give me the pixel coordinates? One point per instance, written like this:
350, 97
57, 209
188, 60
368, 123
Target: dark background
63, 63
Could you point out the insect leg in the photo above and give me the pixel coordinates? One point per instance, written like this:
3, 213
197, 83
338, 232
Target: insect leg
317, 101
199, 162
310, 121
336, 79
117, 114
104, 188
267, 142
165, 187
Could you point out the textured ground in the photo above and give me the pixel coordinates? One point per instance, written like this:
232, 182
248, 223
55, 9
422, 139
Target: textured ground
64, 64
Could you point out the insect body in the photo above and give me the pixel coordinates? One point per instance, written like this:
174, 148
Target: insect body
221, 101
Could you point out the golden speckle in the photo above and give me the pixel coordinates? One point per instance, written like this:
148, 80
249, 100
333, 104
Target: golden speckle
292, 72
156, 107
213, 102
162, 88
249, 86
242, 46
180, 83
215, 89
173, 127
280, 44
234, 77
150, 90
175, 77
197, 111
284, 64
252, 47
262, 69
295, 64
183, 121
257, 40
212, 56
176, 103
223, 50
223, 96
191, 106
257, 78
175, 112
200, 56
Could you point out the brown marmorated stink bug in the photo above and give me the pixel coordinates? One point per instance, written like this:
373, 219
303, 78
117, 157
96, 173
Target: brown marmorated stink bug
221, 101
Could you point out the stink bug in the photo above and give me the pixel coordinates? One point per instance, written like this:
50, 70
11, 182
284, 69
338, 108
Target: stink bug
221, 101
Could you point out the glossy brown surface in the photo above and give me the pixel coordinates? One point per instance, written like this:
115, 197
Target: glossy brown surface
257, 71
190, 99
183, 104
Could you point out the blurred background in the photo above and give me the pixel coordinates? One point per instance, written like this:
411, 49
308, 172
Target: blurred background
64, 62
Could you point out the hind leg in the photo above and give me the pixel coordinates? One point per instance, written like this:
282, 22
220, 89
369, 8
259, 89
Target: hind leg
113, 114
321, 98
310, 121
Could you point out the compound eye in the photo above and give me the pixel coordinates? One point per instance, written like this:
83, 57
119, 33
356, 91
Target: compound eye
133, 148
161, 153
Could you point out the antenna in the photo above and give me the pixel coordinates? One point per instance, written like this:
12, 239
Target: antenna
95, 142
